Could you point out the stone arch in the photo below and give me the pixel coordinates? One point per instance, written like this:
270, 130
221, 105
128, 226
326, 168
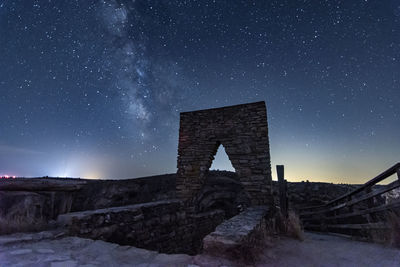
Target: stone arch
243, 131
222, 190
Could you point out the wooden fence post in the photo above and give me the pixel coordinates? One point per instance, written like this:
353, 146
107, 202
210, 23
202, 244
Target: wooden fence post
282, 190
286, 198
370, 203
349, 198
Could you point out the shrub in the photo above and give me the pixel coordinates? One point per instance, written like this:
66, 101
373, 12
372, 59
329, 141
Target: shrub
293, 226
289, 226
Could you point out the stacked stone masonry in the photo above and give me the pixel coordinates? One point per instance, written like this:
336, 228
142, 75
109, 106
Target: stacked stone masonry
247, 229
163, 226
243, 131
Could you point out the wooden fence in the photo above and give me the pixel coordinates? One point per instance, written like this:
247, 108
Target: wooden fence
357, 212
282, 185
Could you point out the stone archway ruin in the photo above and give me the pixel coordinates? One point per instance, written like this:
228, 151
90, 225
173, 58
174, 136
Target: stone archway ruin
243, 131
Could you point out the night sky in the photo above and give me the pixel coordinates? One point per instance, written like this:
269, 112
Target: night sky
94, 88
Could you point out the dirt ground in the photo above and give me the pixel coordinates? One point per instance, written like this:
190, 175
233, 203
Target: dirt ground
327, 250
315, 250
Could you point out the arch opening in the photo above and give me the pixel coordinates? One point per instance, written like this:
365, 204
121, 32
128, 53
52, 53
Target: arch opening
221, 161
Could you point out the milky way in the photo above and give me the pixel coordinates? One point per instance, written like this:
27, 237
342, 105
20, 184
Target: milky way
94, 88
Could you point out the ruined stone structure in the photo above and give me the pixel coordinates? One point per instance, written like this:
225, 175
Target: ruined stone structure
152, 212
243, 131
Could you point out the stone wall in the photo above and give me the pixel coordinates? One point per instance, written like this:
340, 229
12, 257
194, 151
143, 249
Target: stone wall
32, 204
98, 194
22, 211
163, 226
243, 131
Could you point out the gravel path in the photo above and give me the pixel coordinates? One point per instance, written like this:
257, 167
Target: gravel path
316, 250
74, 251
327, 250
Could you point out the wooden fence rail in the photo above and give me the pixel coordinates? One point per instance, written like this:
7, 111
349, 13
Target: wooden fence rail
362, 209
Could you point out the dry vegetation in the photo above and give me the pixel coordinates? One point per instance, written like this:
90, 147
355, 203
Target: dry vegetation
293, 226
389, 235
290, 226
394, 226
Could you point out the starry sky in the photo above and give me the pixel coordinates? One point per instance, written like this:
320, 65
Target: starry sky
92, 88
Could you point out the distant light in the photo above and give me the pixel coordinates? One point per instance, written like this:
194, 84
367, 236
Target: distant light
7, 176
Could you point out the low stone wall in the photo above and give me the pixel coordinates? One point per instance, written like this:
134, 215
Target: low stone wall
30, 204
163, 226
31, 211
98, 194
245, 230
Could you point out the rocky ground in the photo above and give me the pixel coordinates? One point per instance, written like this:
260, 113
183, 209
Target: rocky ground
51, 249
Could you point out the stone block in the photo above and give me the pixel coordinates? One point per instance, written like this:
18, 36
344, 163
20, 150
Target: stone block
239, 231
